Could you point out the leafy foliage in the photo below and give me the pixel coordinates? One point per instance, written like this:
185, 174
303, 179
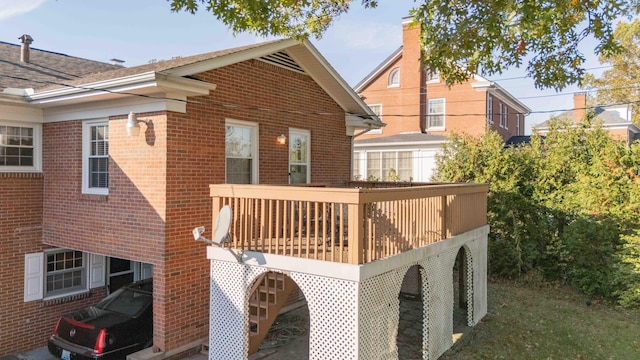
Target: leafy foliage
619, 85
460, 37
564, 208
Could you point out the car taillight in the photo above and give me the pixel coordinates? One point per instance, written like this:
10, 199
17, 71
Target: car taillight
100, 342
55, 329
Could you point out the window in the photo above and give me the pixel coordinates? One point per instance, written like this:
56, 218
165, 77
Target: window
61, 272
394, 78
299, 157
19, 147
490, 110
505, 116
357, 175
517, 124
65, 272
433, 77
95, 159
241, 143
500, 115
436, 114
377, 109
389, 165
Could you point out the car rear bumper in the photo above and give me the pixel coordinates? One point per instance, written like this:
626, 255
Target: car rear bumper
76, 352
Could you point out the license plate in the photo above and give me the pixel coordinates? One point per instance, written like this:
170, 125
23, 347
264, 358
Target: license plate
65, 355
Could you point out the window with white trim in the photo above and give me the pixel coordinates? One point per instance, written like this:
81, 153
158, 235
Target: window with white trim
500, 115
299, 156
490, 109
433, 77
241, 149
377, 109
19, 147
506, 117
436, 114
389, 165
517, 124
95, 159
357, 175
394, 78
61, 272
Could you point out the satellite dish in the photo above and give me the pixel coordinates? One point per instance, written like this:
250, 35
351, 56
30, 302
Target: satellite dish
223, 222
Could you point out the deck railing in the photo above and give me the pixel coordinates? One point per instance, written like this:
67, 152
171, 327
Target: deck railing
349, 225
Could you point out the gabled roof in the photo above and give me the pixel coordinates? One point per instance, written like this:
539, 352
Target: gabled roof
301, 57
608, 117
379, 69
43, 68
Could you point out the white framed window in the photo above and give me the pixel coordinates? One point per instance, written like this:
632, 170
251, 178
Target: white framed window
394, 78
356, 174
299, 156
377, 109
517, 124
490, 109
500, 117
436, 114
61, 272
95, 157
20, 147
505, 115
389, 165
241, 152
433, 77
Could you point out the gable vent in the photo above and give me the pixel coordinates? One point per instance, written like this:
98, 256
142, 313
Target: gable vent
282, 59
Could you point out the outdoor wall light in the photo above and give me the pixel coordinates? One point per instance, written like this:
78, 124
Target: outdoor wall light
282, 139
133, 129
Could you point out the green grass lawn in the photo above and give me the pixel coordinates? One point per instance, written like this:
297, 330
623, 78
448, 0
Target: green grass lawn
530, 322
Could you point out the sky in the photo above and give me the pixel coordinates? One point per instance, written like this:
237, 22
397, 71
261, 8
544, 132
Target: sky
138, 31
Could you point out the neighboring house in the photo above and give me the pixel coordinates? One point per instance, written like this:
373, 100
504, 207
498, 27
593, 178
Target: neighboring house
412, 100
615, 119
86, 204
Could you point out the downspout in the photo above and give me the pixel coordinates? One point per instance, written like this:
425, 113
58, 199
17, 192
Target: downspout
423, 102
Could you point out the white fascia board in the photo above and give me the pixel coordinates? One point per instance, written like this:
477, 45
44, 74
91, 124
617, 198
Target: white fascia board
331, 82
381, 68
111, 107
20, 113
101, 87
232, 58
358, 122
189, 87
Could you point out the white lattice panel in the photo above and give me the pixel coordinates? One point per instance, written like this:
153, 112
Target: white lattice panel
379, 314
228, 314
478, 249
333, 313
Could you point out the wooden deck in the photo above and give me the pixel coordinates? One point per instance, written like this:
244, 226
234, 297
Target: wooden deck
366, 222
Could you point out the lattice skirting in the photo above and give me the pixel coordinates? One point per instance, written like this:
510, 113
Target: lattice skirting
356, 319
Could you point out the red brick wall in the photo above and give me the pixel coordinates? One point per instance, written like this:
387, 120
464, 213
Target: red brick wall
159, 182
24, 326
465, 107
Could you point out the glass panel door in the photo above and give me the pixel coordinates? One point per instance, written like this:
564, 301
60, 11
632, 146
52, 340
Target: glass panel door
299, 157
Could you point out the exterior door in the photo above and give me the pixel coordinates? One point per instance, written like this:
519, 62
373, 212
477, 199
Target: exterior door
299, 156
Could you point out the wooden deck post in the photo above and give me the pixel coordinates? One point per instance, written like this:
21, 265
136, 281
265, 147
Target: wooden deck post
356, 233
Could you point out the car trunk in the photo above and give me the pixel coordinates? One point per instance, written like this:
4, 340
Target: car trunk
83, 327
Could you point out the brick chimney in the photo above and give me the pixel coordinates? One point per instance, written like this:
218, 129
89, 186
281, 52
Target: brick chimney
24, 50
579, 107
411, 74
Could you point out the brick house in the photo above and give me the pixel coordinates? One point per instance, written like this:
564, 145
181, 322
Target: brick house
86, 204
420, 110
615, 119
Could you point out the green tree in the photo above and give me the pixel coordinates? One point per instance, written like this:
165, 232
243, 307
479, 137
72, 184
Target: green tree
563, 208
619, 85
460, 37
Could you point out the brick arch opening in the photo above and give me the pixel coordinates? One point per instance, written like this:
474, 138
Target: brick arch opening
278, 313
411, 335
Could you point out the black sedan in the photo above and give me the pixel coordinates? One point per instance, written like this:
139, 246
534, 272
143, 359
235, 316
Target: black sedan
120, 324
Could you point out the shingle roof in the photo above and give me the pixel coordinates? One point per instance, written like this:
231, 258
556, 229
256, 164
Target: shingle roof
407, 137
608, 117
44, 67
157, 66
